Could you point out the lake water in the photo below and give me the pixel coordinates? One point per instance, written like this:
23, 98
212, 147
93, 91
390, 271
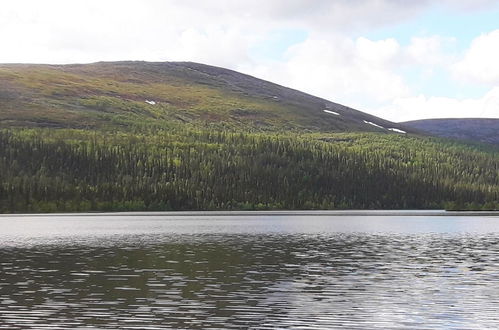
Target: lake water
258, 271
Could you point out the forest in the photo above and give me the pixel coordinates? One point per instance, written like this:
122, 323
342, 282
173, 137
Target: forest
187, 168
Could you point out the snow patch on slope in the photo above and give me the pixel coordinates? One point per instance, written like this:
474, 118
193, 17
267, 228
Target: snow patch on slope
397, 130
331, 112
373, 124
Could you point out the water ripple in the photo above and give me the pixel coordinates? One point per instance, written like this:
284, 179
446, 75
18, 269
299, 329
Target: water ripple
264, 281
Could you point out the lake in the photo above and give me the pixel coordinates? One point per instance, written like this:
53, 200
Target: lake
264, 271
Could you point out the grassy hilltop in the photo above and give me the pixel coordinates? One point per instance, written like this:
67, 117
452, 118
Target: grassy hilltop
146, 95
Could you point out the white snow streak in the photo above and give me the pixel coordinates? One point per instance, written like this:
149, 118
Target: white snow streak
371, 123
331, 112
397, 130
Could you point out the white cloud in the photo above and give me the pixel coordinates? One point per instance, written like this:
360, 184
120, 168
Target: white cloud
226, 48
481, 61
319, 15
362, 73
88, 31
419, 107
353, 72
428, 51
59, 31
377, 53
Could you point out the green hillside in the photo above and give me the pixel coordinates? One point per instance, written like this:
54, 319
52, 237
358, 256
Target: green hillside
147, 95
83, 138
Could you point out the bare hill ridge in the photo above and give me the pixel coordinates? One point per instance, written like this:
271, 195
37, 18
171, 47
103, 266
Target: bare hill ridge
109, 94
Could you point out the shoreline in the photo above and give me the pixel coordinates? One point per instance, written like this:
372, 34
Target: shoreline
266, 213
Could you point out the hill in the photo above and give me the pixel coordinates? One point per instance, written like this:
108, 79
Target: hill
184, 136
124, 94
484, 130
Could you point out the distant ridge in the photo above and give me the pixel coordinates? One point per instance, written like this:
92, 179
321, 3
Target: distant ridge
484, 130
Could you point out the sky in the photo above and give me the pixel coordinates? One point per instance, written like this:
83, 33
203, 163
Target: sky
396, 59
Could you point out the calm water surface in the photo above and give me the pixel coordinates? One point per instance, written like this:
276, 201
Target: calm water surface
156, 272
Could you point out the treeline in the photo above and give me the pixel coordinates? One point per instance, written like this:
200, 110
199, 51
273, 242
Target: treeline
44, 170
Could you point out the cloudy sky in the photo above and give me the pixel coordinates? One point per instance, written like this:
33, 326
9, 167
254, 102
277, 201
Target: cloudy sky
398, 59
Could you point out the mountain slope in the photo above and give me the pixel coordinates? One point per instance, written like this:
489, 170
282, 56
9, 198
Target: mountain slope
130, 136
117, 94
473, 129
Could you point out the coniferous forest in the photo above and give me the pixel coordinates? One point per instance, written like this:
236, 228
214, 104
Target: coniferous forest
47, 170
